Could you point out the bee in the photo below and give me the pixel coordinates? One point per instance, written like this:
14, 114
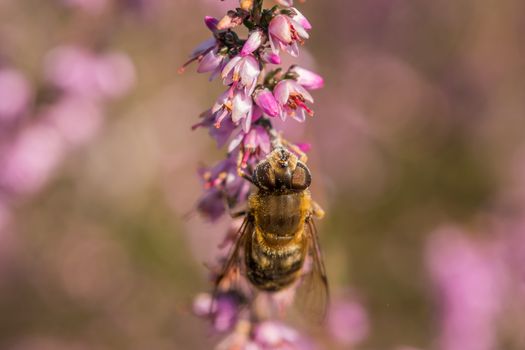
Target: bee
278, 232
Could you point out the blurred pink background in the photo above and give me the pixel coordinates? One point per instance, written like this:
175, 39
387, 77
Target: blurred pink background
418, 158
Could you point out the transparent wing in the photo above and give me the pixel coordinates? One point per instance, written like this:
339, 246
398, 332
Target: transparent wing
312, 297
229, 279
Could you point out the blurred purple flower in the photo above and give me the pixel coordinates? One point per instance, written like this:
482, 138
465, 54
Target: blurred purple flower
468, 279
292, 97
223, 188
223, 310
348, 322
30, 160
220, 134
278, 336
93, 7
79, 71
16, 94
76, 119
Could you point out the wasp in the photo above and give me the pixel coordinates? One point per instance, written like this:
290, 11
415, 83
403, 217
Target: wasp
277, 244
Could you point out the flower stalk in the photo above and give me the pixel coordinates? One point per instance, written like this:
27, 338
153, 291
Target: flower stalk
257, 91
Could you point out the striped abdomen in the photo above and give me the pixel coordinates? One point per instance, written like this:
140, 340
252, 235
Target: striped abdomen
276, 249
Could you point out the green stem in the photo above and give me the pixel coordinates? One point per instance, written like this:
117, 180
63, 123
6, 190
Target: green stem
257, 11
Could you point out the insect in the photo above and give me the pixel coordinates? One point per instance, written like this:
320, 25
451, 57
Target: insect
278, 234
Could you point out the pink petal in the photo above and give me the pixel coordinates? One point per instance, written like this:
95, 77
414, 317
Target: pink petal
282, 91
301, 19
280, 28
253, 43
210, 62
230, 66
307, 78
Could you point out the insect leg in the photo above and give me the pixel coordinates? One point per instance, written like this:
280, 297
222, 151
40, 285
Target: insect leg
240, 168
317, 211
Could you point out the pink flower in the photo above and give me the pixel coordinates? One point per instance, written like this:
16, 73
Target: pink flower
285, 34
222, 186
213, 62
15, 94
307, 78
256, 140
267, 102
253, 43
223, 310
301, 19
269, 57
242, 72
234, 104
276, 335
81, 72
469, 279
287, 3
292, 98
221, 134
204, 47
31, 160
348, 322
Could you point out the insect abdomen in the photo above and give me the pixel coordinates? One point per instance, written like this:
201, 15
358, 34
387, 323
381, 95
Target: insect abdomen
273, 269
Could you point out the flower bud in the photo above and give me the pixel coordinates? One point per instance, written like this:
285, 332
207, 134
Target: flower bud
307, 78
267, 102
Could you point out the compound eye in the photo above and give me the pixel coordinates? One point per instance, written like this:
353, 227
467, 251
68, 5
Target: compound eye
301, 178
264, 176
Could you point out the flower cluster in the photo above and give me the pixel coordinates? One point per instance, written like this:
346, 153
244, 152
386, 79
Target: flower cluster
257, 90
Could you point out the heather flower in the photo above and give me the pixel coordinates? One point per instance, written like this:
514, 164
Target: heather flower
285, 34
223, 309
268, 56
255, 142
234, 104
307, 78
242, 73
247, 109
292, 98
220, 134
287, 3
15, 93
214, 62
223, 187
301, 19
254, 41
206, 46
266, 101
